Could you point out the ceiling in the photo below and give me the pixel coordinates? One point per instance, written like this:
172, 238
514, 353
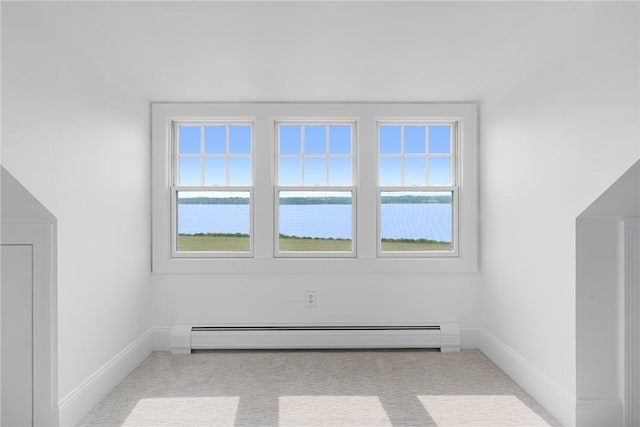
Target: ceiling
297, 51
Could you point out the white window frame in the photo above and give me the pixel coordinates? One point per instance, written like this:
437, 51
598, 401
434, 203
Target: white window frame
366, 116
176, 187
452, 187
319, 188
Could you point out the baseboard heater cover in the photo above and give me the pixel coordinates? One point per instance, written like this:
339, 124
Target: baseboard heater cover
186, 337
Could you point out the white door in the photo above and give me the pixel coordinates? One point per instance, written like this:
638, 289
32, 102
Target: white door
17, 335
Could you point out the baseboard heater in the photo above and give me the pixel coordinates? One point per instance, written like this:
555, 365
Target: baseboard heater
187, 337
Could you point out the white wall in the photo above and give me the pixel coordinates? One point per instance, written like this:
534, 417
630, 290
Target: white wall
599, 335
354, 51
361, 298
551, 144
79, 143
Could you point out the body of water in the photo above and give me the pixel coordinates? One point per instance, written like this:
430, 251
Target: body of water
409, 220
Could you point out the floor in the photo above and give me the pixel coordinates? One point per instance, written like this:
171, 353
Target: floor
318, 388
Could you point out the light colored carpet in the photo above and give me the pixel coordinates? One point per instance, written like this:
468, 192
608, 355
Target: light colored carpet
318, 388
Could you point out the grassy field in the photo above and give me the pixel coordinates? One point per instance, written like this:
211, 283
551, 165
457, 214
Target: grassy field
213, 242
288, 243
240, 243
413, 245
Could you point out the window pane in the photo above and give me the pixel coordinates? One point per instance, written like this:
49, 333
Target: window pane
215, 139
290, 140
315, 139
415, 139
315, 171
290, 172
415, 170
439, 171
239, 139
340, 171
340, 139
189, 139
315, 221
239, 171
214, 221
416, 221
390, 139
389, 171
215, 171
189, 171
439, 139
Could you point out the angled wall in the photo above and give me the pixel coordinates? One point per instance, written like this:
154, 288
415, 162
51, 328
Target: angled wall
79, 142
551, 144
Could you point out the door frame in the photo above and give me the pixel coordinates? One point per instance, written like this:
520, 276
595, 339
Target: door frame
42, 237
632, 321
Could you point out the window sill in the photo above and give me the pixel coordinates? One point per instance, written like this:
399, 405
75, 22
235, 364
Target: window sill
315, 265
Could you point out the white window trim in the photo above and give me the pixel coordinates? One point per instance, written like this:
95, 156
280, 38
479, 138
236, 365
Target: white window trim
263, 115
453, 187
175, 187
346, 188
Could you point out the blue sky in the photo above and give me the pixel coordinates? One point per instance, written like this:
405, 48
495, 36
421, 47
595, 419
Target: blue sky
212, 140
414, 155
315, 154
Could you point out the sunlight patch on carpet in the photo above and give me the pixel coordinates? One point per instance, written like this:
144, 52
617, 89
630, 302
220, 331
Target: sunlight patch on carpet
496, 410
193, 411
332, 410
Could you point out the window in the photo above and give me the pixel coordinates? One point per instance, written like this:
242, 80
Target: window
417, 192
315, 193
295, 187
212, 189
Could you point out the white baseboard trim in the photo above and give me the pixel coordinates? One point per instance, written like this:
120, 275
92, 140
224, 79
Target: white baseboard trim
599, 412
558, 402
76, 404
470, 338
162, 338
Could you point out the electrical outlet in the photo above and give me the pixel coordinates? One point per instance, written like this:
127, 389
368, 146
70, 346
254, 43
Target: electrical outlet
310, 298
